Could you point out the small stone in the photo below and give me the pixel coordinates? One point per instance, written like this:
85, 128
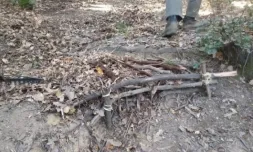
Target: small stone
222, 66
153, 113
181, 128
27, 66
67, 38
251, 82
11, 44
211, 131
27, 45
230, 68
64, 50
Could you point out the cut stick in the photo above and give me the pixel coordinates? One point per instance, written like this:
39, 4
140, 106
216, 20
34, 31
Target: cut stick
160, 77
161, 88
225, 74
208, 90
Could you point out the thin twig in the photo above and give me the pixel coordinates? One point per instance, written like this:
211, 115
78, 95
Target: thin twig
129, 124
160, 77
244, 144
152, 68
131, 66
159, 88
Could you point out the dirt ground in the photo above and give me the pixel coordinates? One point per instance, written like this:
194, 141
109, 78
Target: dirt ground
183, 121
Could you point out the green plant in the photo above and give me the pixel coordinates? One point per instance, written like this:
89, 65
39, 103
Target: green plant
122, 27
224, 31
26, 4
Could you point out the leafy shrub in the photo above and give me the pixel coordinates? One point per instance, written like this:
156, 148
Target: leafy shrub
238, 30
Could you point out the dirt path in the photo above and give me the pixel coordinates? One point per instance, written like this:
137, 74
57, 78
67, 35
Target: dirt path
34, 42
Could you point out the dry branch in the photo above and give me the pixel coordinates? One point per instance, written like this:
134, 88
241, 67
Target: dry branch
152, 68
140, 81
131, 66
225, 74
160, 77
161, 88
108, 72
156, 64
138, 69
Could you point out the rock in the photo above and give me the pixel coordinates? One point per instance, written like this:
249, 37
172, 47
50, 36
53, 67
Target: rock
230, 68
251, 82
222, 66
211, 131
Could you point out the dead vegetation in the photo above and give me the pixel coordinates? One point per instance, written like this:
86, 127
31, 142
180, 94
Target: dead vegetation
60, 43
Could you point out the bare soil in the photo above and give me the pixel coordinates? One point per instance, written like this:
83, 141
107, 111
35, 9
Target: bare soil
163, 124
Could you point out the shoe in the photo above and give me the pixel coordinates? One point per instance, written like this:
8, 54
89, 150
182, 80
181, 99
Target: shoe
191, 23
171, 26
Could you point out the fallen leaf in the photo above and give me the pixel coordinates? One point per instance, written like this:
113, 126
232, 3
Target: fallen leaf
66, 109
53, 119
109, 147
69, 110
69, 92
219, 56
115, 143
99, 71
15, 101
60, 95
157, 136
228, 100
100, 112
5, 61
251, 132
228, 115
39, 97
194, 108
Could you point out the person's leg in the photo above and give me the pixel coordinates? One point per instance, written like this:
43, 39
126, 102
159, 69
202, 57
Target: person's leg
193, 8
191, 14
174, 7
173, 16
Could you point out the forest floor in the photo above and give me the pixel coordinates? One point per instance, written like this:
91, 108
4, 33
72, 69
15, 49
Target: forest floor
53, 42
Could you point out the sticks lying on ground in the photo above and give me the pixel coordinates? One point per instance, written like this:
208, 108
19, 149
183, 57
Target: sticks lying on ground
160, 77
161, 88
157, 64
141, 81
